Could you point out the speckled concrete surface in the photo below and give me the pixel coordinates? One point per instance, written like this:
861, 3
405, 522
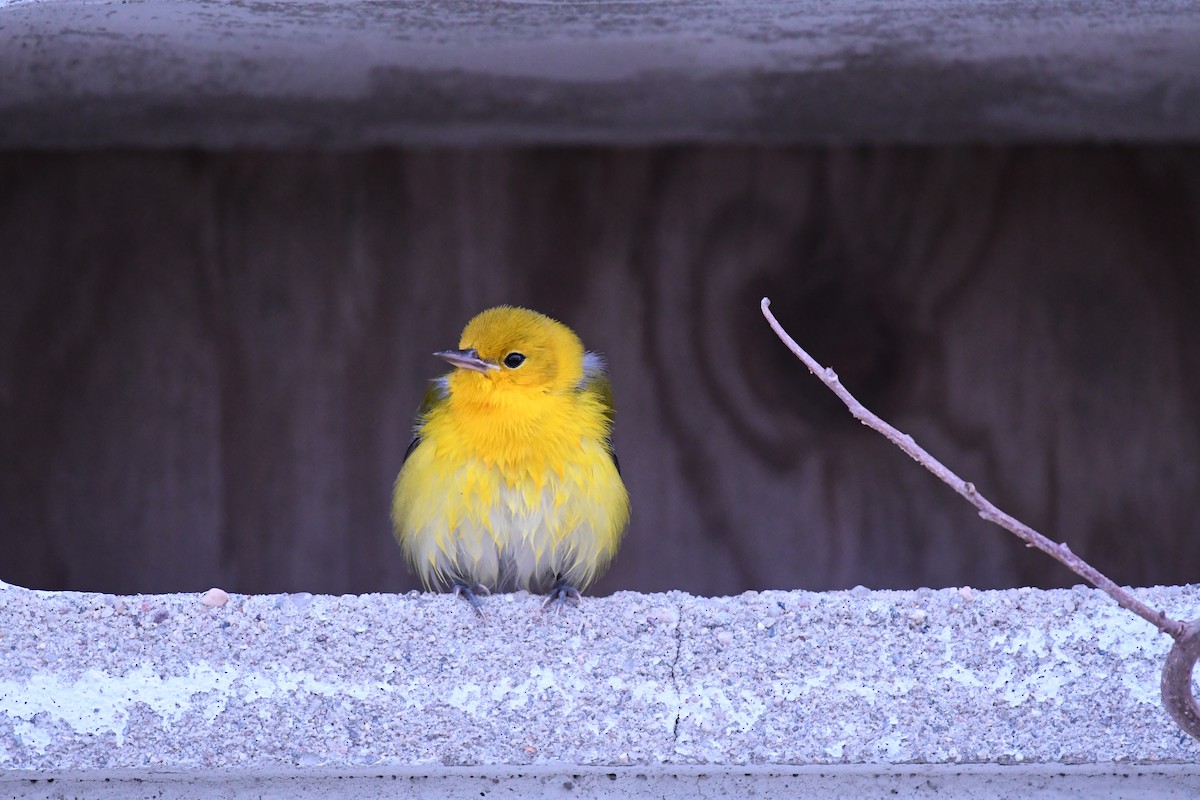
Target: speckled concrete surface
339, 73
942, 677
279, 682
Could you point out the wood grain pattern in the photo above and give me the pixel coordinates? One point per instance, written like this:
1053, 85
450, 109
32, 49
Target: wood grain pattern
209, 362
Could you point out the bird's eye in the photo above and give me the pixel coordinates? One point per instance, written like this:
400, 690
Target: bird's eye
514, 360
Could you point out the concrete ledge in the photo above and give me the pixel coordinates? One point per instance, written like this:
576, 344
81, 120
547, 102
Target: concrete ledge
775, 686
342, 73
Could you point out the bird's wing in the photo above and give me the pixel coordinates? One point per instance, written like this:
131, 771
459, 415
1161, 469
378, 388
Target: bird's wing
595, 380
438, 391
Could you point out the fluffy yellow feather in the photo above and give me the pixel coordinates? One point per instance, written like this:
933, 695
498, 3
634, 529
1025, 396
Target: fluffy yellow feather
511, 480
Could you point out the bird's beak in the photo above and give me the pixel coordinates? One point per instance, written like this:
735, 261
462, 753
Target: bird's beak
466, 359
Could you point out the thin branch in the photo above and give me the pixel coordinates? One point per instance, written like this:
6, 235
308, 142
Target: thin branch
1177, 679
1177, 697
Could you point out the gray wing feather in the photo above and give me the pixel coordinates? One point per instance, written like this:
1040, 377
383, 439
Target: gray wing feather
595, 379
439, 390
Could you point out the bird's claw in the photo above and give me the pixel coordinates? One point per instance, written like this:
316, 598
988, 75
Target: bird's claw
471, 594
560, 596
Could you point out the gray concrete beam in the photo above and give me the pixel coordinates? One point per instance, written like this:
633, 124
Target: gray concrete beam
237, 73
781, 690
880, 782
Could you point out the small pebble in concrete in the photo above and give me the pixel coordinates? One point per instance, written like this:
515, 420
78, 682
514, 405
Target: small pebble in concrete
215, 598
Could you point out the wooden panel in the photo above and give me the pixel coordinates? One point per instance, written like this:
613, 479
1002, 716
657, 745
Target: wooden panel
209, 363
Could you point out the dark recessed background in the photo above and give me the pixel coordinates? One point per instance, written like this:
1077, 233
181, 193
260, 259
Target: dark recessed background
209, 363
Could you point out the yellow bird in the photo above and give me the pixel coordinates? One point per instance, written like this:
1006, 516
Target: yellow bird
511, 480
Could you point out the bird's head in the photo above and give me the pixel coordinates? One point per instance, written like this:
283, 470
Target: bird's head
515, 348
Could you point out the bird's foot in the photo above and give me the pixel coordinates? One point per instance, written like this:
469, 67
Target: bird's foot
471, 594
560, 596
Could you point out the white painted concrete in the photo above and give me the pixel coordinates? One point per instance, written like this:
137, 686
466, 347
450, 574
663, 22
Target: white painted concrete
933, 693
342, 73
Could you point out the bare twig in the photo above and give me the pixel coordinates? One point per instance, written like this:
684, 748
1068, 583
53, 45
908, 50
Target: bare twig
1177, 679
1177, 673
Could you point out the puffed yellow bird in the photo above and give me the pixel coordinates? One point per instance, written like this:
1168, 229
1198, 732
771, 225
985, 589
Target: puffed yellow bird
511, 480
